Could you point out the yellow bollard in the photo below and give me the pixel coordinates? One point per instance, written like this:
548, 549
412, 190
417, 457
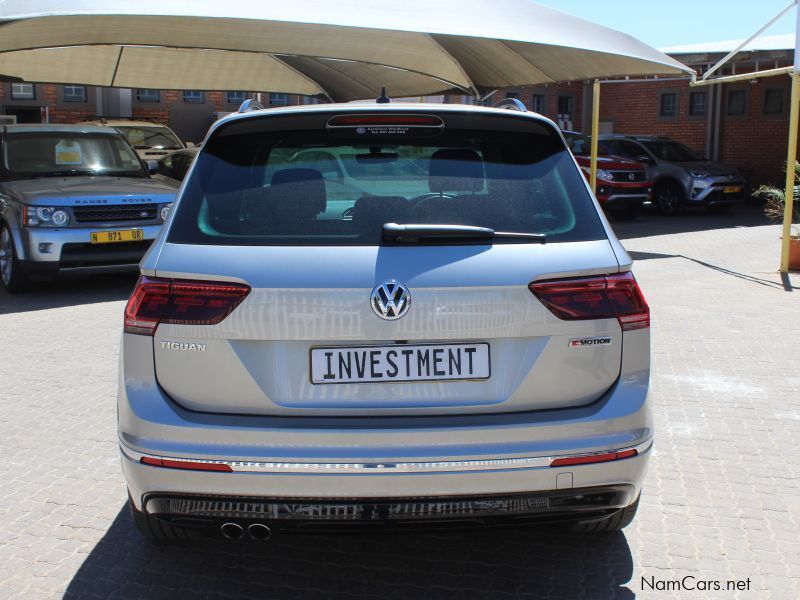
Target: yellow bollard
595, 134
791, 159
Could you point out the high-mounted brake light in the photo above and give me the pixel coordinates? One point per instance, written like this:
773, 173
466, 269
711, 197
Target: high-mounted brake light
379, 120
606, 297
156, 301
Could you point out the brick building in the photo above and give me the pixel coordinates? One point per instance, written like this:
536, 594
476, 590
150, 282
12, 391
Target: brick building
744, 123
189, 113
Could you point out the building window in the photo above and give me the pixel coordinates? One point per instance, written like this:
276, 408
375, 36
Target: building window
773, 101
148, 96
669, 105
23, 91
193, 96
737, 103
565, 106
697, 104
236, 97
279, 99
537, 103
74, 93
512, 94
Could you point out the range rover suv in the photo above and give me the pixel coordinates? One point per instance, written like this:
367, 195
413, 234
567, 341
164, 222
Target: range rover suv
74, 199
459, 341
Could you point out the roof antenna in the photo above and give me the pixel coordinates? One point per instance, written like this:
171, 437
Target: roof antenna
382, 99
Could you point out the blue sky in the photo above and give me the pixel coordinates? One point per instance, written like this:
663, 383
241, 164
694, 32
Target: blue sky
678, 22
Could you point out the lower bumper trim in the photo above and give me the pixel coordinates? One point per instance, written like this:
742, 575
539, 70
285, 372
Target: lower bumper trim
210, 511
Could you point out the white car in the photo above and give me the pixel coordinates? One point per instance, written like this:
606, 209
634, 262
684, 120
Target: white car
152, 141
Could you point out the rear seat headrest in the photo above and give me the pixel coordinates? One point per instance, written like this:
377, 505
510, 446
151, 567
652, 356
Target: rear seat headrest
298, 193
455, 170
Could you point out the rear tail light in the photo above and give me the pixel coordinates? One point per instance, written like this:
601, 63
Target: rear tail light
156, 301
605, 297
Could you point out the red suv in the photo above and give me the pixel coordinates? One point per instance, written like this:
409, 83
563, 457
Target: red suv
622, 184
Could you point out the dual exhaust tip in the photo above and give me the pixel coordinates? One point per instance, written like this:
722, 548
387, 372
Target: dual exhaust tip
257, 531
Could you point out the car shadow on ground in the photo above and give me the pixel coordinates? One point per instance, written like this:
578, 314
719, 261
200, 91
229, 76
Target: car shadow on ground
650, 223
69, 292
483, 563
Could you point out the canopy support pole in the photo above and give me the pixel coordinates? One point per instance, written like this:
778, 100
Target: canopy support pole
595, 134
791, 155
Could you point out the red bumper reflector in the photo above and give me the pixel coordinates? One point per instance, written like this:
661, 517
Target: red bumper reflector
185, 464
592, 458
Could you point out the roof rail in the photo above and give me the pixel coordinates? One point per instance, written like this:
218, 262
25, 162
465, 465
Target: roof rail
510, 104
249, 105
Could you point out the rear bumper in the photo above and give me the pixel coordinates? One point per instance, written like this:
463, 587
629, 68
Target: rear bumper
380, 457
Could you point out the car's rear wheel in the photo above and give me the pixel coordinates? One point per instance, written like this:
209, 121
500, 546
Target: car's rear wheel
619, 520
668, 198
12, 276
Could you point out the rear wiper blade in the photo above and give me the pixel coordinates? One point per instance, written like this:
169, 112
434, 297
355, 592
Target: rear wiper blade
411, 233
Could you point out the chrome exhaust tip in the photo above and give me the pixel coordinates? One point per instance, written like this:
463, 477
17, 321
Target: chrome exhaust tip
259, 532
231, 531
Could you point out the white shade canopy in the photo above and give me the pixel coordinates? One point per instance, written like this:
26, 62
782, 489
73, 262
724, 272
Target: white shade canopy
344, 50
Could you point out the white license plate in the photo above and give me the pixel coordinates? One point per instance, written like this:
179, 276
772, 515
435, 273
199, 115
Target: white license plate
400, 362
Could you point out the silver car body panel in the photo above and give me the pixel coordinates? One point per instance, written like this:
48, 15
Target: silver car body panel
150, 423
246, 399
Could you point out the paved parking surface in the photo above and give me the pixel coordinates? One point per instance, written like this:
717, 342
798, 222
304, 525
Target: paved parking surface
720, 502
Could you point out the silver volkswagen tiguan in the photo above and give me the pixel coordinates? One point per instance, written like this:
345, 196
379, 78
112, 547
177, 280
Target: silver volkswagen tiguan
381, 315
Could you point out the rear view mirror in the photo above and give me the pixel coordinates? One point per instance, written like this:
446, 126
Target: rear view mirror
645, 159
152, 166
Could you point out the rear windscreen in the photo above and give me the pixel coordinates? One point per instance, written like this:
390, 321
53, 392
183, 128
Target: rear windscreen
319, 187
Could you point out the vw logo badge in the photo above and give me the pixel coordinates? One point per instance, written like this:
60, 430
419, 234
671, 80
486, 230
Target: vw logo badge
632, 176
390, 300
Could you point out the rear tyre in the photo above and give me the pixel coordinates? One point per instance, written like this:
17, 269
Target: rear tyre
619, 520
668, 198
11, 274
159, 531
629, 213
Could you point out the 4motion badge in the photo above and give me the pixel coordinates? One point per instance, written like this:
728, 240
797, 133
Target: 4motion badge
591, 341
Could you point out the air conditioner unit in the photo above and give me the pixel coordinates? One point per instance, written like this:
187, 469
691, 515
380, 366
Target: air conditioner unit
8, 119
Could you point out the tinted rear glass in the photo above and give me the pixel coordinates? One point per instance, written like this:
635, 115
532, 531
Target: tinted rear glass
310, 187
